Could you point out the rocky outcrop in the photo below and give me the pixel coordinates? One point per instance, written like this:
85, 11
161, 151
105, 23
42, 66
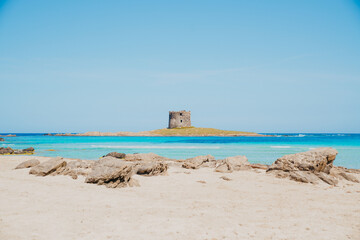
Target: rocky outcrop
53, 166
231, 164
344, 173
316, 160
27, 150
115, 155
151, 168
28, 164
76, 168
112, 173
2, 140
199, 161
9, 150
311, 167
145, 157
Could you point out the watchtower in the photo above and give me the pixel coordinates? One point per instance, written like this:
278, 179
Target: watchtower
179, 119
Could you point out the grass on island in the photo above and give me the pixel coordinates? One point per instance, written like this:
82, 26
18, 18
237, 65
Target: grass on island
194, 131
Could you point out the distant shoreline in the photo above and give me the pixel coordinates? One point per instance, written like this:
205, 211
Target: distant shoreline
176, 132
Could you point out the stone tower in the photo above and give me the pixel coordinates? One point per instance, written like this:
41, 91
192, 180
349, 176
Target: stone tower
179, 119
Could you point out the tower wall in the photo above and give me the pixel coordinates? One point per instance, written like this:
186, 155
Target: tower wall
179, 119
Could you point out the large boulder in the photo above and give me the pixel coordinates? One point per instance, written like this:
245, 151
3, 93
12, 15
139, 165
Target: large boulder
28, 164
311, 167
2, 140
53, 166
115, 155
316, 160
147, 157
199, 161
231, 164
112, 173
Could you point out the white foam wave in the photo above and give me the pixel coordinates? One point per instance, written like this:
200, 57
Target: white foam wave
280, 146
154, 147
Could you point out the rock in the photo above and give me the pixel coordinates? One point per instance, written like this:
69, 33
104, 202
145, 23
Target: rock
28, 164
78, 167
316, 160
2, 140
225, 178
110, 162
307, 167
223, 168
280, 174
7, 150
259, 166
148, 157
115, 155
112, 173
55, 165
151, 169
30, 149
327, 178
341, 173
231, 164
199, 161
347, 170
303, 176
349, 177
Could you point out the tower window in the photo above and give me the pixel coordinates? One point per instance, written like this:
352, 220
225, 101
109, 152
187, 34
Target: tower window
180, 120
180, 114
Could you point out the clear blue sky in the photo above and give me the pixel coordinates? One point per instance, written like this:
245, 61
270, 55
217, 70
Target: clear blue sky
264, 66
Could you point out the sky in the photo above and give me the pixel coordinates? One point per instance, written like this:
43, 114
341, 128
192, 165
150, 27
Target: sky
262, 66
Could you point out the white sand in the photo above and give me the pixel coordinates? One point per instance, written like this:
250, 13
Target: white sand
251, 206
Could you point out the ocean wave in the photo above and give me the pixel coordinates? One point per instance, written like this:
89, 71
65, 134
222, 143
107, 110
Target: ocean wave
280, 146
153, 147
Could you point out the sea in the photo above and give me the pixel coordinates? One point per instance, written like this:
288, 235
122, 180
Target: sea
263, 150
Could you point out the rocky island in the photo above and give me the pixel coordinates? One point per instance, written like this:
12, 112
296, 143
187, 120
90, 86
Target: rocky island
179, 125
183, 131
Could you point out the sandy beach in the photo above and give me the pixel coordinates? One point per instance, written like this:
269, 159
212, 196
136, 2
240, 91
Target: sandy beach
184, 204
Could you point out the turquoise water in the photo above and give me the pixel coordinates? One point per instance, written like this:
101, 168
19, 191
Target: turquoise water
257, 149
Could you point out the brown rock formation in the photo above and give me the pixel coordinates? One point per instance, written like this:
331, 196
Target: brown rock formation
199, 161
112, 173
53, 166
28, 164
231, 164
311, 166
115, 155
9, 150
